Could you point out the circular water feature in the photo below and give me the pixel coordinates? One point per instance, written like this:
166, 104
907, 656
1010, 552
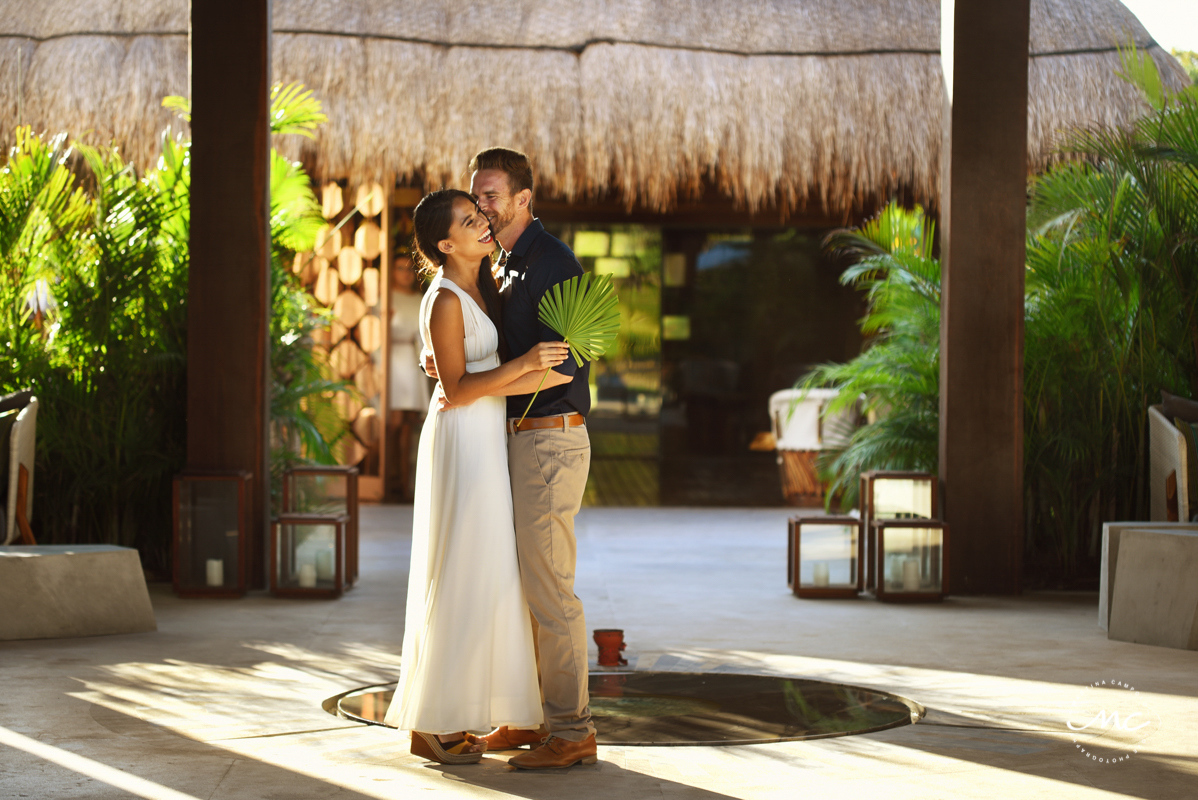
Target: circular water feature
697, 708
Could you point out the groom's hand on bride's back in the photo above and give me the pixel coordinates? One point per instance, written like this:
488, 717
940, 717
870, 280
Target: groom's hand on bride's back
443, 403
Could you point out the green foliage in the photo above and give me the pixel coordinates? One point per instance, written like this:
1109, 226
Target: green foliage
304, 425
898, 371
38, 206
110, 435
93, 311
1111, 319
1189, 62
94, 290
1139, 69
294, 110
584, 311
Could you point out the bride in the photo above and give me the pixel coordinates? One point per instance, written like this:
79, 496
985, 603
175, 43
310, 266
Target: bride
468, 665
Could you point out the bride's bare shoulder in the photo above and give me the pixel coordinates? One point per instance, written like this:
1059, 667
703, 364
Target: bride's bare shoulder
445, 302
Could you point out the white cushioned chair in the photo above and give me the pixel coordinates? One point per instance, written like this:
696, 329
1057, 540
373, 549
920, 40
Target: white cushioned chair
1168, 470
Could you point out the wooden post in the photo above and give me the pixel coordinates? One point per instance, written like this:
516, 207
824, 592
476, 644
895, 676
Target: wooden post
983, 229
228, 287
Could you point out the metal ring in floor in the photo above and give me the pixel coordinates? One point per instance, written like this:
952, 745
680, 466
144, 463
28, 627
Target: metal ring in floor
632, 708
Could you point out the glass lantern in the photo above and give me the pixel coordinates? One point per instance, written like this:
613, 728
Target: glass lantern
911, 559
891, 494
824, 556
308, 555
211, 533
326, 490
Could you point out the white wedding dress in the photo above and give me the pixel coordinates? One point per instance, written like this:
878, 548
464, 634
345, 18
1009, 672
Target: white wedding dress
468, 662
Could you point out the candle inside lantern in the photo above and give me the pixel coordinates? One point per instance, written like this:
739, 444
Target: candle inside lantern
819, 573
324, 565
911, 574
307, 576
216, 572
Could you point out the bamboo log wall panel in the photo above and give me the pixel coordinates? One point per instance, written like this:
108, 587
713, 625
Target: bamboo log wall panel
348, 403
349, 308
352, 451
347, 358
346, 273
306, 267
337, 332
367, 381
368, 241
370, 333
366, 427
328, 286
371, 199
370, 286
312, 272
331, 200
328, 242
349, 265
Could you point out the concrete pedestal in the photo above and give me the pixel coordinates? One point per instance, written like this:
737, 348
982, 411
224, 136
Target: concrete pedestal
1155, 599
1111, 533
58, 591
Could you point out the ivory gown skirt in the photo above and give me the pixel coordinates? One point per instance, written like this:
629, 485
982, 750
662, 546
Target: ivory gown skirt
468, 662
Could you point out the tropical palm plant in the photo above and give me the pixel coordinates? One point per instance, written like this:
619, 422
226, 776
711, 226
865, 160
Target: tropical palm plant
1189, 62
1111, 319
93, 311
898, 371
305, 425
110, 429
39, 205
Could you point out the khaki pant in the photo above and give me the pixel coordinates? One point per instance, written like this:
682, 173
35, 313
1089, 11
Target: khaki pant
549, 473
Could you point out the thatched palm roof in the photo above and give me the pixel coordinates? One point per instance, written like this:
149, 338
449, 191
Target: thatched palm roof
787, 102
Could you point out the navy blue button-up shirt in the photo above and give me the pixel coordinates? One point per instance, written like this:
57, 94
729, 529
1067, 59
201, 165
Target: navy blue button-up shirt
537, 262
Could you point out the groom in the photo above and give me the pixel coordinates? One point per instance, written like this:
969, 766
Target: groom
549, 454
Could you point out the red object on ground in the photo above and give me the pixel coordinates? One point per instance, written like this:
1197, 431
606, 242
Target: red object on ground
611, 642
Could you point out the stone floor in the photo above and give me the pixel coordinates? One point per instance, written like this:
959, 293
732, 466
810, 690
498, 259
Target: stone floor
224, 701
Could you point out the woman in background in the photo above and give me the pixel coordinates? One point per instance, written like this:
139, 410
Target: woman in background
409, 387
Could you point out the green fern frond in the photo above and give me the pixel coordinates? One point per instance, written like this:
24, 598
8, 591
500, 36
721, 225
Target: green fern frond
585, 312
294, 109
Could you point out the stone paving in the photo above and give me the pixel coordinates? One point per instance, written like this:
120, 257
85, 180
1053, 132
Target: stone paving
223, 702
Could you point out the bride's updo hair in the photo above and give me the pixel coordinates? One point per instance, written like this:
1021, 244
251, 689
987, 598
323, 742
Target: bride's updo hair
431, 222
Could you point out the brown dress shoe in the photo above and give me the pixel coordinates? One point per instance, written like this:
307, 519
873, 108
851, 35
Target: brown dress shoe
505, 738
557, 753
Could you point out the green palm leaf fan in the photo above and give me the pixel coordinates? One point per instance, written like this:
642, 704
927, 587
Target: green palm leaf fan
583, 310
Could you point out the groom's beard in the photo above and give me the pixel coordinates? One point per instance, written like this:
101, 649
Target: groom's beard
501, 221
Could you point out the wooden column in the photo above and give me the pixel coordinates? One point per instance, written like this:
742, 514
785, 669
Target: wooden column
982, 229
228, 286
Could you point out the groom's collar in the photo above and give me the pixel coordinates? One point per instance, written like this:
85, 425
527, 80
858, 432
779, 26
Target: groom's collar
534, 229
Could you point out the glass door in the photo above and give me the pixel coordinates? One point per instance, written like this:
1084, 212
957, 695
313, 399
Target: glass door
626, 382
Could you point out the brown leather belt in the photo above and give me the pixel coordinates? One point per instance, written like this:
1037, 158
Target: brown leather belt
563, 421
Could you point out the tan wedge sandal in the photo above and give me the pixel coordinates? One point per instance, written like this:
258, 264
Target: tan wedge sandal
427, 745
